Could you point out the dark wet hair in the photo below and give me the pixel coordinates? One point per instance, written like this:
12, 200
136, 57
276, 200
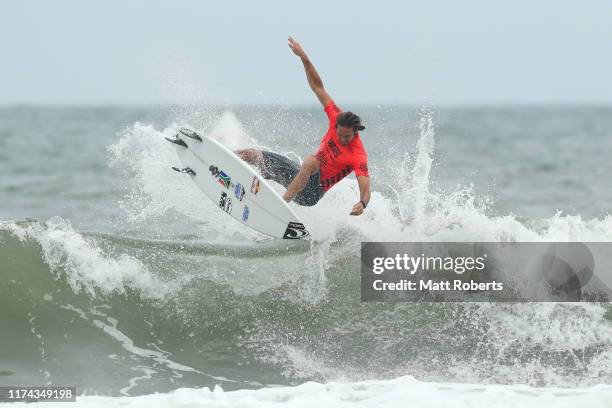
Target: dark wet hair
349, 119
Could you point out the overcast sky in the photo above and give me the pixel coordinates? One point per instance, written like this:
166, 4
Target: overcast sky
448, 52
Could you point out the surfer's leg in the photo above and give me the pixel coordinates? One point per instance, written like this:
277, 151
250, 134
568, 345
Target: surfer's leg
312, 193
299, 182
285, 171
278, 168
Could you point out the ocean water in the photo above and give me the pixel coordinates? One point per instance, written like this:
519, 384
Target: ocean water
118, 276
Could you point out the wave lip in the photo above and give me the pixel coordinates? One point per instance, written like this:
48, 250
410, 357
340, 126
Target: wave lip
87, 267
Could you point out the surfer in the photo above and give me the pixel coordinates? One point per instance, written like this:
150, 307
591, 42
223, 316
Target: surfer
340, 153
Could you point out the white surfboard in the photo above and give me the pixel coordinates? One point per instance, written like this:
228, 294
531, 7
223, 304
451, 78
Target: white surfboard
235, 187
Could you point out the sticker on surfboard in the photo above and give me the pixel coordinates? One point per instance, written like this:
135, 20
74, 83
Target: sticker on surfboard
295, 230
239, 191
255, 185
223, 178
225, 203
245, 213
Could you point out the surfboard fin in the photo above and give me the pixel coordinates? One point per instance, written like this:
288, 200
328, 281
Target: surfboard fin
177, 141
184, 170
190, 133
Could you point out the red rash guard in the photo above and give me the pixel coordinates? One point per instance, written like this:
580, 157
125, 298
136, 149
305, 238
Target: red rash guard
338, 161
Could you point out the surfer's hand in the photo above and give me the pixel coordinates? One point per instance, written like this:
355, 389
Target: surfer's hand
287, 197
357, 209
296, 48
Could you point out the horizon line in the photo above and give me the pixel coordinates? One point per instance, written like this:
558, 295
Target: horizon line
302, 105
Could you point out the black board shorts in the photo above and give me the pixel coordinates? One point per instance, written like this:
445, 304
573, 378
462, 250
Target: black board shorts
283, 171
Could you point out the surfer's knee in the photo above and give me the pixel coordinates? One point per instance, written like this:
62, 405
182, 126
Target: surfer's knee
244, 154
311, 163
252, 156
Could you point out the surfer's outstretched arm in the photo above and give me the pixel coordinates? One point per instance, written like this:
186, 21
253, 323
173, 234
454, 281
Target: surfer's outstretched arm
314, 80
364, 195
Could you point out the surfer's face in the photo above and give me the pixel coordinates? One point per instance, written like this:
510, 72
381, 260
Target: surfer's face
345, 134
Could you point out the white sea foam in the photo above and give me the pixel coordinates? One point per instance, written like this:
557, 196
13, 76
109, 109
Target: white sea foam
400, 392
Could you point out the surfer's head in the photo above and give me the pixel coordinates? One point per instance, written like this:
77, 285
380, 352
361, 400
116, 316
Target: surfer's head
347, 125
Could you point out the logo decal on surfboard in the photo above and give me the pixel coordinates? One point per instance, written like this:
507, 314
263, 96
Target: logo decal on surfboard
295, 230
255, 185
222, 178
225, 203
245, 213
239, 191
